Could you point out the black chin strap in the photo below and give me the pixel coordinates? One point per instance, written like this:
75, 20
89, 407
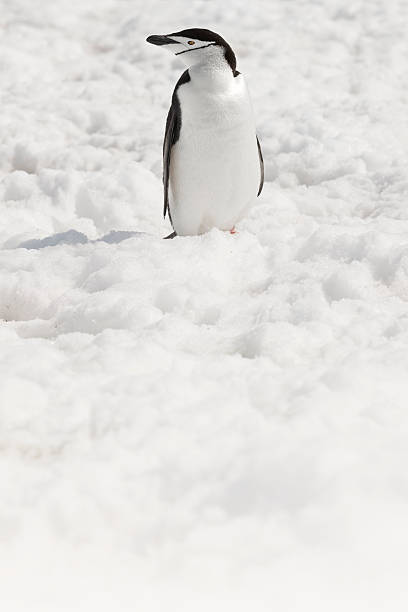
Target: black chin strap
195, 49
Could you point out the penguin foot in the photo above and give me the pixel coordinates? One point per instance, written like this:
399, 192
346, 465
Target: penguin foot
172, 235
233, 230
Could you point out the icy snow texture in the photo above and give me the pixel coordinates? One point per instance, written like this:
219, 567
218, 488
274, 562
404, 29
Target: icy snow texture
215, 422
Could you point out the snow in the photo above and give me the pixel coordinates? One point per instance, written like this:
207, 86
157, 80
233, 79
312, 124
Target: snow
216, 421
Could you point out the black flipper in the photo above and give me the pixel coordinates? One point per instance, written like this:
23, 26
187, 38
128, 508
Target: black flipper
261, 164
171, 136
167, 145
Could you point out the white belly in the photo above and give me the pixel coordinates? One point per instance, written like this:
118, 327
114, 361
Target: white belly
214, 168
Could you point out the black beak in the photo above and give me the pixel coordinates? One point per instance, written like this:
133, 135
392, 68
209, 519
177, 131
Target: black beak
156, 39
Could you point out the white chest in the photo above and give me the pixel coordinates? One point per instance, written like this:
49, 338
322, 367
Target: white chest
214, 172
212, 102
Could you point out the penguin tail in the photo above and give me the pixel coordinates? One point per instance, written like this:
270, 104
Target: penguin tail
172, 235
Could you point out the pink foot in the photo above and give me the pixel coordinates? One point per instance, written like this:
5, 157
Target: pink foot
233, 230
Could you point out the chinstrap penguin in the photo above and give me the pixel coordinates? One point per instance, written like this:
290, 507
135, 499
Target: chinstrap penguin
212, 159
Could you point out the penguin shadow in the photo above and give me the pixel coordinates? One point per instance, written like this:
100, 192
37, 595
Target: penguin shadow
73, 237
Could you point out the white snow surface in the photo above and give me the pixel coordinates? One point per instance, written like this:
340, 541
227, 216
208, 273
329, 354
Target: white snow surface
214, 422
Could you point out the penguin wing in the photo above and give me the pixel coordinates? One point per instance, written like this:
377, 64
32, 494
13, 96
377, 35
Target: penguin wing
261, 165
171, 129
171, 136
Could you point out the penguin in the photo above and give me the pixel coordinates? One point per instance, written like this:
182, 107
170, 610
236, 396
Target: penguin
213, 167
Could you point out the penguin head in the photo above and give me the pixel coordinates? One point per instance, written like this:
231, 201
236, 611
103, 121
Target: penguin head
196, 46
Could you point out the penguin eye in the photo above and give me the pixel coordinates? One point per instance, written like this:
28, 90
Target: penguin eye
191, 42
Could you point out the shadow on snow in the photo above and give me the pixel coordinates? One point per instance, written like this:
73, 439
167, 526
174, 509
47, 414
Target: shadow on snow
74, 237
